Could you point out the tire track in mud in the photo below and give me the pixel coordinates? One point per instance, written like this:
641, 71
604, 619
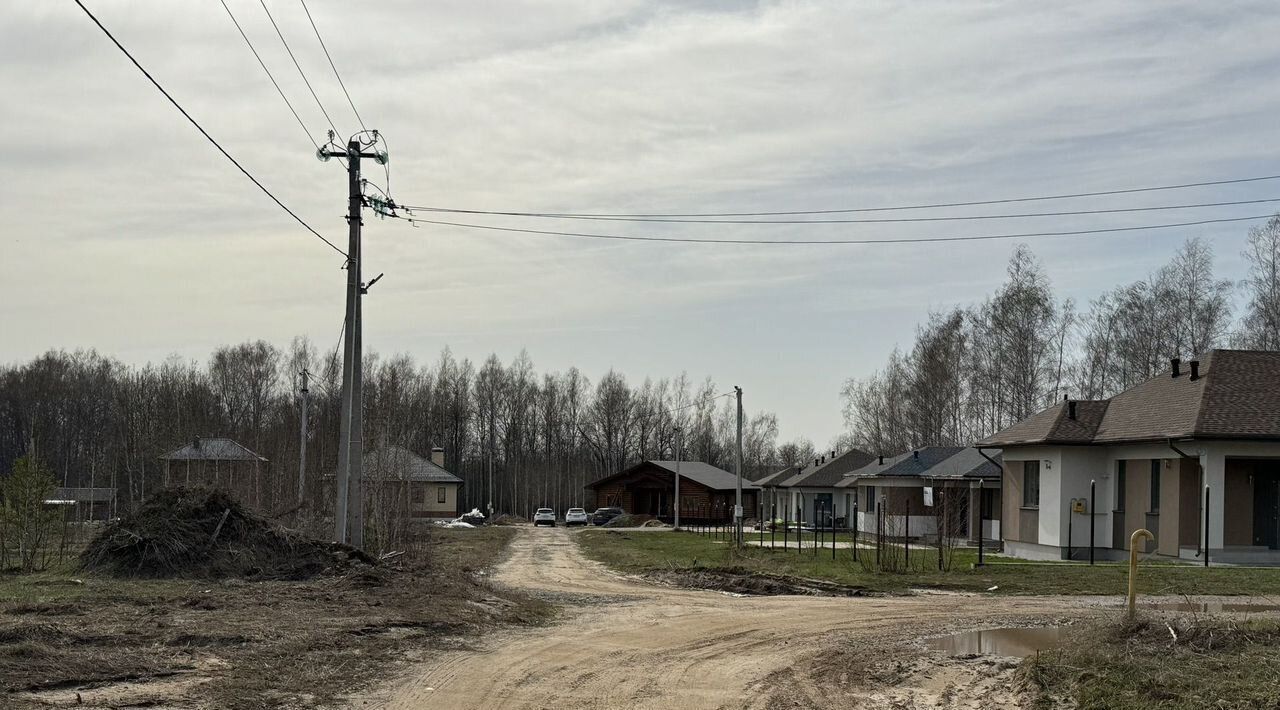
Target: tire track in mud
639, 645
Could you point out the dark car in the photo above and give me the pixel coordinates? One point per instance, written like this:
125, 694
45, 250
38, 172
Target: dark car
604, 515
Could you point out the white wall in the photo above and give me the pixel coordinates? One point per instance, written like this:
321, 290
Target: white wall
1065, 473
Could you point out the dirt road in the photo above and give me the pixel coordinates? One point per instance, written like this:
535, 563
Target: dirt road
628, 644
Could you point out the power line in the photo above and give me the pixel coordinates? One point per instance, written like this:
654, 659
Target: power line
899, 208
901, 240
885, 220
205, 133
270, 75
332, 65
296, 64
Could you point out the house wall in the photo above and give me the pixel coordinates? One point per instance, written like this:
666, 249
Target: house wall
1189, 503
1177, 525
1011, 504
425, 502
1238, 481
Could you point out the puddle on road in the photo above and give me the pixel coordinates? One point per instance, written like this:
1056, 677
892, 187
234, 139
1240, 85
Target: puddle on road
1011, 642
1212, 607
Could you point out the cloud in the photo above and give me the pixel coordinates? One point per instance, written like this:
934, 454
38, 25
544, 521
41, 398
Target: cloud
127, 232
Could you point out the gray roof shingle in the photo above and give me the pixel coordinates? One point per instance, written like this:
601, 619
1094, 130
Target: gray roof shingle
828, 473
391, 461
1236, 396
212, 449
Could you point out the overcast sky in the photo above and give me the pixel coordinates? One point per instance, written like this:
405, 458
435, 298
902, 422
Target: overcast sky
123, 230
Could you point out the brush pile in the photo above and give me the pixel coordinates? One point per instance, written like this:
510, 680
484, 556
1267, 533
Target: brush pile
202, 533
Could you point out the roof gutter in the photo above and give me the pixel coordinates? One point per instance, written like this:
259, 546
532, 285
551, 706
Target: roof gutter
995, 463
1200, 470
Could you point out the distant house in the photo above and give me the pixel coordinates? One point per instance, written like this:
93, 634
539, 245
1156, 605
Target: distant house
401, 477
648, 488
810, 493
1153, 451
955, 484
217, 463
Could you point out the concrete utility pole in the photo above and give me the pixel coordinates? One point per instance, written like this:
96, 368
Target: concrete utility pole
737, 461
679, 455
302, 438
348, 518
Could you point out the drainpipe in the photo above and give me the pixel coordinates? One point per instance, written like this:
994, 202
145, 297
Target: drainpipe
1202, 544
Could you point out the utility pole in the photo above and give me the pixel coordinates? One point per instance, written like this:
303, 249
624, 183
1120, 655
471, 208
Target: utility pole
679, 455
302, 438
737, 508
348, 518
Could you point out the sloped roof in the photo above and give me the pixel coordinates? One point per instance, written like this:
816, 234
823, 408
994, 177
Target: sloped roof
829, 473
212, 449
954, 462
1237, 395
777, 477
871, 469
391, 461
966, 463
696, 471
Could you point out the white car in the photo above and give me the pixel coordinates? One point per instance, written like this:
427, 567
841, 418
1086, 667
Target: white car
544, 516
575, 516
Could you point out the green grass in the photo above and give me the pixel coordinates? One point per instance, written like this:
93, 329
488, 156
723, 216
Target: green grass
641, 552
1213, 663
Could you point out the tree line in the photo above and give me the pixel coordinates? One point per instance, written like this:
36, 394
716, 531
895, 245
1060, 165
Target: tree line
518, 438
976, 369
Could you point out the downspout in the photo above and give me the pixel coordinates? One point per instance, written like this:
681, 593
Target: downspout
1200, 470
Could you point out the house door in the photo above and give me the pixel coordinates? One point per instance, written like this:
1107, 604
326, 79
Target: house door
1266, 509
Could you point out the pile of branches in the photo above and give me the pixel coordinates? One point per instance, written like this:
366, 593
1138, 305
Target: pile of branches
197, 532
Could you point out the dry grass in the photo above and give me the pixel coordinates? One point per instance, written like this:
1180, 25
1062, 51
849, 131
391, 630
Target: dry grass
1184, 663
254, 644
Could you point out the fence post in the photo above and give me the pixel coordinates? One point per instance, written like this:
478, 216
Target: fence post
981, 522
906, 533
1071, 516
1093, 512
853, 539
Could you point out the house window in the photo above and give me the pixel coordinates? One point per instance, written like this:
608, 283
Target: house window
442, 494
871, 499
1030, 484
419, 495
1155, 486
1120, 486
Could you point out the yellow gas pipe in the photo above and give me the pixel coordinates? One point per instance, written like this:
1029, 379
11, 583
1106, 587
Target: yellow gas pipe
1133, 565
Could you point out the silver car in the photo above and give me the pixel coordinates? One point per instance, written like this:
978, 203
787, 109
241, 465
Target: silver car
575, 516
544, 516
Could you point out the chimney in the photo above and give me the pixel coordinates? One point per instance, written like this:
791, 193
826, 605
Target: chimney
824, 459
915, 455
881, 459
1195, 369
815, 462
195, 443
1175, 362
833, 453
437, 456
1071, 409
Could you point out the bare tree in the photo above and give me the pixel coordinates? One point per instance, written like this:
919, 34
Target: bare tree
1260, 327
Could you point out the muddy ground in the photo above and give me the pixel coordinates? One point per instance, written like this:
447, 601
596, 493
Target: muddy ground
96, 642
629, 643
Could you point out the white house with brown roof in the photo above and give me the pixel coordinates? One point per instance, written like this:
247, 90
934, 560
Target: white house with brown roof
1153, 452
